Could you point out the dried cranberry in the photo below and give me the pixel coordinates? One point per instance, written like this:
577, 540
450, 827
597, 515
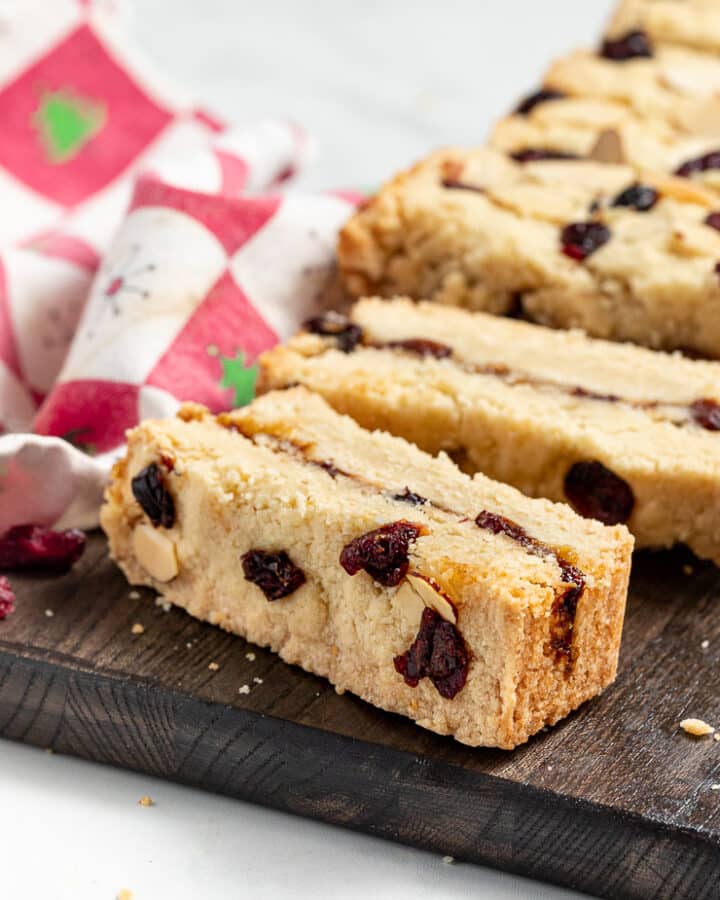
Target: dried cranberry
565, 610
500, 525
274, 573
640, 197
565, 606
335, 325
438, 653
594, 395
538, 154
632, 45
454, 184
706, 413
411, 497
382, 553
580, 239
542, 96
699, 164
713, 220
598, 493
148, 488
7, 598
40, 549
422, 347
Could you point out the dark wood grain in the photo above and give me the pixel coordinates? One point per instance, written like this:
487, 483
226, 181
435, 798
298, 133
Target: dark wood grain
615, 801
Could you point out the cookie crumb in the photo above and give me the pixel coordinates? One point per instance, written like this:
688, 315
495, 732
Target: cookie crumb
688, 570
189, 645
213, 666
134, 595
448, 860
125, 894
146, 800
705, 644
715, 787
257, 680
250, 656
138, 628
49, 613
245, 689
696, 727
163, 604
716, 736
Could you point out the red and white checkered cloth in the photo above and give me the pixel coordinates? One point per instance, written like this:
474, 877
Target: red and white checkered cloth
106, 320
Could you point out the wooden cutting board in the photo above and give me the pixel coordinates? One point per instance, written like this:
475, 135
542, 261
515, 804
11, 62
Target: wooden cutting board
615, 801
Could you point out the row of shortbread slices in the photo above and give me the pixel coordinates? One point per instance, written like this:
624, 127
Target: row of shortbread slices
400, 572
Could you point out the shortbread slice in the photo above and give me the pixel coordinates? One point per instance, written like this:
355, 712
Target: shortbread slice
570, 243
675, 84
458, 602
690, 23
604, 130
625, 434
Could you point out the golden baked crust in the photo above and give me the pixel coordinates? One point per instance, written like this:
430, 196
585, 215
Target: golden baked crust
473, 228
287, 474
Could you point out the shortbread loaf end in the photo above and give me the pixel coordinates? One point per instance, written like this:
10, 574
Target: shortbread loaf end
458, 602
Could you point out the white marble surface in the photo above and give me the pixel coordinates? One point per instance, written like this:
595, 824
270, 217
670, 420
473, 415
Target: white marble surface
378, 83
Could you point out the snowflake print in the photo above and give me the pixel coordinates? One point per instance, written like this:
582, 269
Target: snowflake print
123, 282
117, 283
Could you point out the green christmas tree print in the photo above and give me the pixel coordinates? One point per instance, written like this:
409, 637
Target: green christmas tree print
66, 122
240, 377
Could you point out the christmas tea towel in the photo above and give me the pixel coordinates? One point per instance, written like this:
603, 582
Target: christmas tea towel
147, 255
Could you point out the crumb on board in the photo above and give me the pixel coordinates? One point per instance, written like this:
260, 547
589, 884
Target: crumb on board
715, 787
250, 656
257, 680
244, 689
213, 666
138, 628
163, 604
696, 727
146, 800
134, 595
49, 613
687, 569
189, 645
705, 644
448, 860
125, 894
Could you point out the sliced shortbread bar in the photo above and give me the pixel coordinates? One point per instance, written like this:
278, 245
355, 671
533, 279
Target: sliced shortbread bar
605, 130
458, 602
692, 23
674, 84
623, 433
574, 243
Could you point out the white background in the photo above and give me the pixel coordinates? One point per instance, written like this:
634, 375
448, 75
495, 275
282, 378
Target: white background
378, 83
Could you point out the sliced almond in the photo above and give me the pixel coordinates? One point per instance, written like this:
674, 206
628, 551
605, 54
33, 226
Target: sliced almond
685, 190
703, 118
608, 148
155, 552
409, 604
432, 595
